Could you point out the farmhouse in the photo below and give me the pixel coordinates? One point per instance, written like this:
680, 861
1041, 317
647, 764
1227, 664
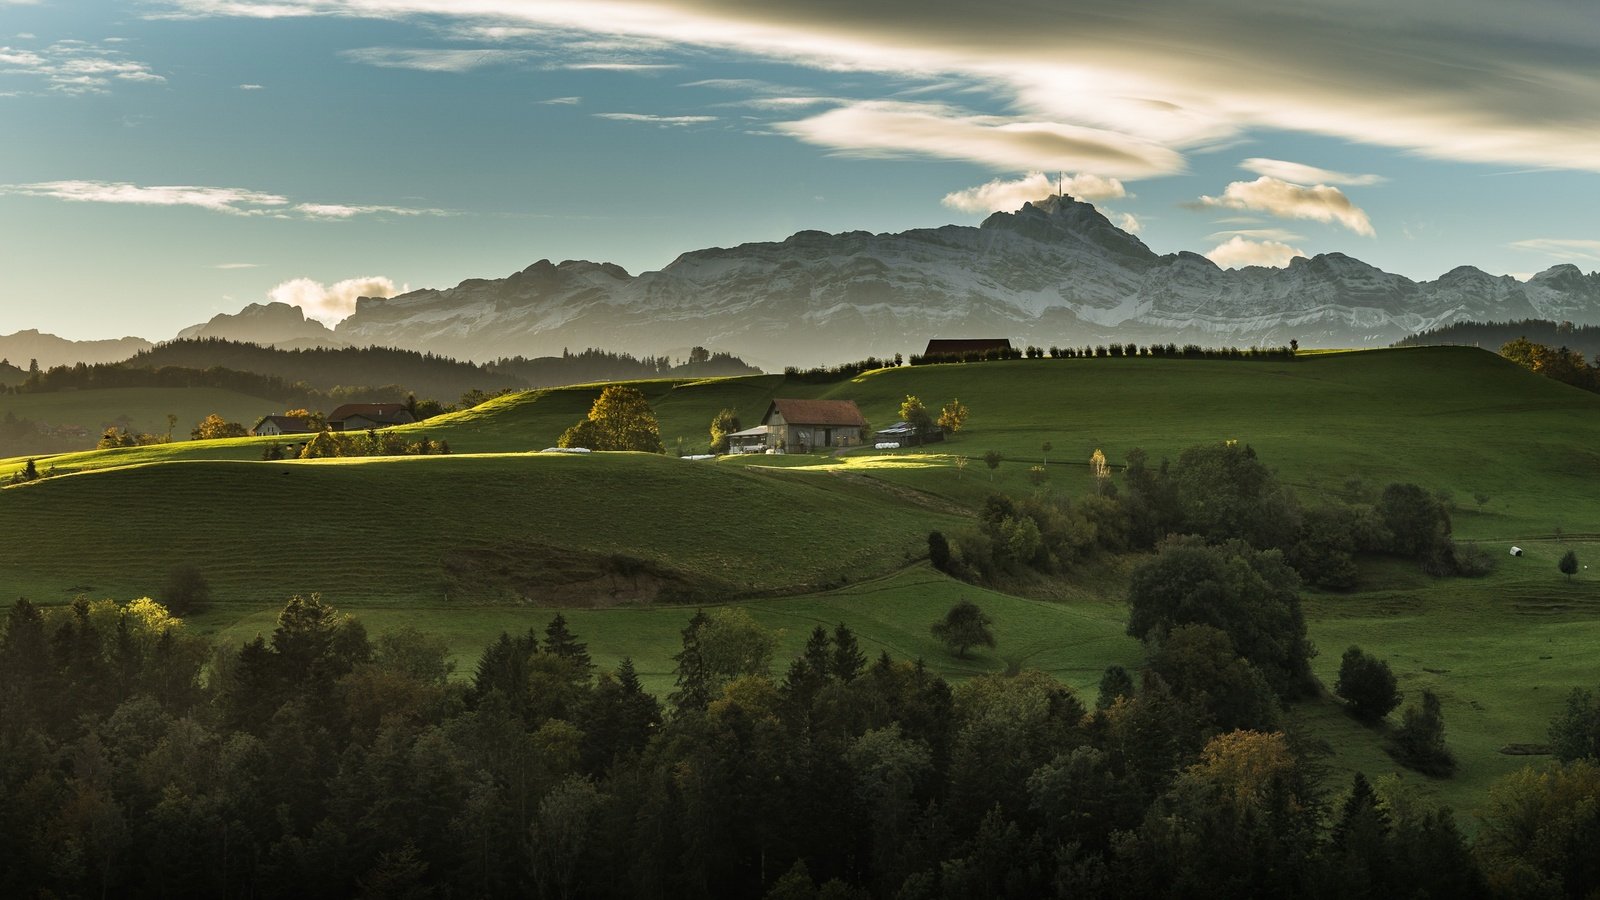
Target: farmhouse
276, 425
804, 425
362, 416
963, 346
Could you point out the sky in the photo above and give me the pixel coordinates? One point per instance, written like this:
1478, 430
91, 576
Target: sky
162, 161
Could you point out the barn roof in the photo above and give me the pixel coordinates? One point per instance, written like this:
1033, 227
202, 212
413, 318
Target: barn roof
945, 346
384, 413
286, 423
816, 412
757, 431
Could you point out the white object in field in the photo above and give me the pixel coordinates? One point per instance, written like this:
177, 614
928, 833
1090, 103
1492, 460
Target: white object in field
1516, 551
886, 445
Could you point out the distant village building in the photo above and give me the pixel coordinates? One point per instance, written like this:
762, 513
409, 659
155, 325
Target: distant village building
362, 416
803, 425
750, 440
279, 425
962, 346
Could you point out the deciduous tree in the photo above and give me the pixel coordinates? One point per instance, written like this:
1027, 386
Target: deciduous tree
965, 626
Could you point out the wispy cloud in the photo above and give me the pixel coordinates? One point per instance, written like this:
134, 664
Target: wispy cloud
1001, 194
76, 67
237, 266
1299, 173
888, 129
1562, 248
251, 87
664, 121
1128, 222
1319, 203
228, 200
331, 303
561, 101
618, 67
1238, 252
433, 60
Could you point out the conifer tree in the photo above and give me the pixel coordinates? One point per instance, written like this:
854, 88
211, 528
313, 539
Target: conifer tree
848, 660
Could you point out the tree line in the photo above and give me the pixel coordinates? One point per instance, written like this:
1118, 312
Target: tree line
139, 758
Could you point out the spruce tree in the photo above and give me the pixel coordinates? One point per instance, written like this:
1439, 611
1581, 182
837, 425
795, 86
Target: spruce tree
559, 641
848, 660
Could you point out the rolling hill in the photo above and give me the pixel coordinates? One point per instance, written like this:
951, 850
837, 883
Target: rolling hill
496, 537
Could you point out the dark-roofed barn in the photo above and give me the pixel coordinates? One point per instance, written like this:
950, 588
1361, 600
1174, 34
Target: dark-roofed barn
362, 416
961, 346
804, 425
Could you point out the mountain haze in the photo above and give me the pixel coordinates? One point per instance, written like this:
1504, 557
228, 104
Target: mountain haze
1053, 272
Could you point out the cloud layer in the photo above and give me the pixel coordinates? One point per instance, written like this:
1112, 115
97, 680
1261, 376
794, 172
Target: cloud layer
331, 303
1300, 173
1501, 83
1000, 194
1319, 203
1238, 252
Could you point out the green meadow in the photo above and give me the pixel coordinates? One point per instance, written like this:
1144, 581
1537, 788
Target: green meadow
498, 537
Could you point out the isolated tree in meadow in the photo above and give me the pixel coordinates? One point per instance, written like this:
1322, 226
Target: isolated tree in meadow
992, 459
1045, 449
953, 417
186, 591
914, 413
939, 551
621, 419
1101, 471
1367, 684
28, 472
172, 423
1568, 564
961, 466
214, 426
963, 627
1419, 741
723, 424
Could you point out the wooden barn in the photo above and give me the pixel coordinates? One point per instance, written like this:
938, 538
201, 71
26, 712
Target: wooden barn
800, 426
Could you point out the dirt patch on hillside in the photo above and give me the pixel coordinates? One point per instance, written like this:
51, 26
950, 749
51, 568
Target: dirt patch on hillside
545, 575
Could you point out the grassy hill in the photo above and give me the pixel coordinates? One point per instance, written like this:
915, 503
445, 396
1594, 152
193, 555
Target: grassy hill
497, 538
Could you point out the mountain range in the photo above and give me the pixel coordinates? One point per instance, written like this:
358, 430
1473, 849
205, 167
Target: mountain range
1056, 271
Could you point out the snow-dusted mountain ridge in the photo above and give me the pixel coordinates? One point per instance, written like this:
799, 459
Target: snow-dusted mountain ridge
1053, 272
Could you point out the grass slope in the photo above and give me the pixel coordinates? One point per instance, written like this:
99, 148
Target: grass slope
461, 528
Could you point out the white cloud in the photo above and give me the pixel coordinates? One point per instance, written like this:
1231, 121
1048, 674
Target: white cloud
890, 129
1299, 173
1270, 234
1562, 248
664, 121
562, 101
1320, 203
645, 68
1129, 223
1001, 195
333, 302
433, 60
76, 67
237, 266
1238, 252
232, 201
342, 211
251, 87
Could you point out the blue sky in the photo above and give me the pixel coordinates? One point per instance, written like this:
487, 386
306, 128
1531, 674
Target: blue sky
167, 160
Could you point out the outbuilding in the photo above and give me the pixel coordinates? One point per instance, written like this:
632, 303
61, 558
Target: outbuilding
750, 440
